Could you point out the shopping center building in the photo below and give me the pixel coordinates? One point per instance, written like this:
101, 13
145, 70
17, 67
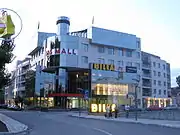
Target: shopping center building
100, 61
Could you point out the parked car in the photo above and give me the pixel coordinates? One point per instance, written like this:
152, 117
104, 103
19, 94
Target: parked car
171, 107
133, 109
154, 108
14, 108
3, 106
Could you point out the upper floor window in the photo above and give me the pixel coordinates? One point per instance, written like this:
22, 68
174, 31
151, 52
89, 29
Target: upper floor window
111, 61
154, 72
137, 54
159, 92
129, 64
84, 59
164, 83
159, 65
111, 51
42, 62
165, 92
164, 75
120, 63
154, 64
85, 47
138, 44
52, 45
120, 52
154, 82
159, 83
42, 50
101, 49
164, 67
101, 61
154, 91
159, 74
128, 53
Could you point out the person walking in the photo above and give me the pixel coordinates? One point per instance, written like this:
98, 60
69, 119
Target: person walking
116, 112
127, 110
107, 111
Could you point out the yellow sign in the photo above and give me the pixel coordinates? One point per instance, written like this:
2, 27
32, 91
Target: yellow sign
107, 67
95, 108
7, 27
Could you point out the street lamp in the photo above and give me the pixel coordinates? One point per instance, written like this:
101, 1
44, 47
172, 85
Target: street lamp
137, 80
79, 89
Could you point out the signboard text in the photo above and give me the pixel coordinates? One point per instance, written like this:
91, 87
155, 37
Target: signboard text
103, 67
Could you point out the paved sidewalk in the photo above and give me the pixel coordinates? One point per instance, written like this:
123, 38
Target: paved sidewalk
12, 125
165, 123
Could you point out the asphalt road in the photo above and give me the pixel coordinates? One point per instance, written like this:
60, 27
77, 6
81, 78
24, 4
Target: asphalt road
61, 124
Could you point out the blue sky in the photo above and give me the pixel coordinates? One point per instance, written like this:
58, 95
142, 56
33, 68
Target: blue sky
156, 22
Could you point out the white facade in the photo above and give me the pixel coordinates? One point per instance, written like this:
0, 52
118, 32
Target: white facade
159, 76
21, 68
155, 78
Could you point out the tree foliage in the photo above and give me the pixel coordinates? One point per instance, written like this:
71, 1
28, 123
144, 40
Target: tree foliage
178, 80
30, 83
6, 56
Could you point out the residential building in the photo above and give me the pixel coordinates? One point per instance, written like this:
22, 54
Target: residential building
22, 67
8, 93
156, 86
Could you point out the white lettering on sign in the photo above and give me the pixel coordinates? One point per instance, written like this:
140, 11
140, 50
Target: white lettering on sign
62, 51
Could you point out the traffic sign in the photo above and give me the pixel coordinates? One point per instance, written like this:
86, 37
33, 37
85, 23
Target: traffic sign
86, 94
130, 69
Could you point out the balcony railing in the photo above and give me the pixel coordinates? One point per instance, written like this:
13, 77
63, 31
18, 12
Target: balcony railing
147, 75
147, 84
146, 65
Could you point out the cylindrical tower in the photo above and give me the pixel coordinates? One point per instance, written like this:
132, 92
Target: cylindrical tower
63, 24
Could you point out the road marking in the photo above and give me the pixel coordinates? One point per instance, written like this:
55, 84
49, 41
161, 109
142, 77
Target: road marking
103, 131
85, 126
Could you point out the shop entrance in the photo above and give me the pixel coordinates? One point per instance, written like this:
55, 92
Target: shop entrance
76, 82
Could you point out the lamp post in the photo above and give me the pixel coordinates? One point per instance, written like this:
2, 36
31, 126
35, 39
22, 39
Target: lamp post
137, 80
77, 77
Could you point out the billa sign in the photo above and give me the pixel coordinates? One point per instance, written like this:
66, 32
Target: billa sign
107, 67
99, 108
62, 51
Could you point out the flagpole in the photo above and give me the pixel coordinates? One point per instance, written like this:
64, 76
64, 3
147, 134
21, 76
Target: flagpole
93, 21
38, 26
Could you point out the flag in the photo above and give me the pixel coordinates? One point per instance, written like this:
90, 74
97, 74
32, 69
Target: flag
93, 20
38, 25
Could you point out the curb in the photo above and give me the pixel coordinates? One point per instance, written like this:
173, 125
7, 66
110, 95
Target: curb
13, 126
132, 122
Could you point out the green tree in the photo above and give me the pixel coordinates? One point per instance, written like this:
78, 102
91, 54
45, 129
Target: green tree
30, 83
6, 57
178, 80
18, 100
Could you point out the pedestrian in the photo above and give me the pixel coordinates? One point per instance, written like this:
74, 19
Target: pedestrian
127, 110
107, 111
110, 112
116, 112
